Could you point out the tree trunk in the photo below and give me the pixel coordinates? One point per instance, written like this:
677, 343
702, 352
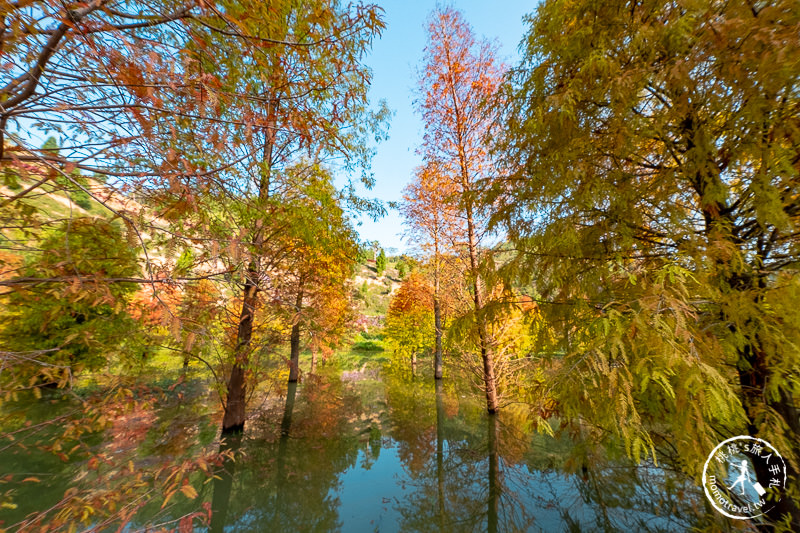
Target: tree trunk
753, 367
490, 383
233, 420
294, 341
413, 364
288, 410
313, 369
281, 459
234, 417
437, 324
753, 382
294, 358
753, 371
489, 378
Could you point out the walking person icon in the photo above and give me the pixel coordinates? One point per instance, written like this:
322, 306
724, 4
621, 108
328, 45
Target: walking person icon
744, 474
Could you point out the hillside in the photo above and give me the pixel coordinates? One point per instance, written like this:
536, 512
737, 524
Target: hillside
372, 291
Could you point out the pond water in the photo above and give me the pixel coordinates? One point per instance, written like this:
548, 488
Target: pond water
368, 450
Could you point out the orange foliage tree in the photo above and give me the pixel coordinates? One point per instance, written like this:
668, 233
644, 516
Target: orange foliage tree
318, 266
428, 207
459, 75
409, 318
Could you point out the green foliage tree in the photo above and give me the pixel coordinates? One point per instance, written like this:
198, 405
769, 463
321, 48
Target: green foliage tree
79, 195
363, 291
82, 200
68, 309
362, 254
409, 320
402, 269
380, 263
50, 146
11, 179
76, 194
323, 248
654, 178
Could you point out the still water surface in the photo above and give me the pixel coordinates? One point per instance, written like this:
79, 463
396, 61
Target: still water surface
374, 450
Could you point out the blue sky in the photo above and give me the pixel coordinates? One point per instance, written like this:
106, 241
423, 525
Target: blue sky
394, 62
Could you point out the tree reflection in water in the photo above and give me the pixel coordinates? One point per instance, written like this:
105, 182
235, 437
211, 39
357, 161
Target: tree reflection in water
283, 482
223, 482
468, 471
460, 487
440, 453
387, 453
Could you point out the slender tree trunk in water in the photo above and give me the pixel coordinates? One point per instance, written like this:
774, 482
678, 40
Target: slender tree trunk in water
234, 417
489, 378
223, 482
288, 409
437, 324
464, 163
294, 358
494, 474
233, 420
437, 314
413, 364
440, 453
294, 341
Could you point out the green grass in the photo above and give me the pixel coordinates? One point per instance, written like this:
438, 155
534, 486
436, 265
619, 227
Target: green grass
368, 346
368, 342
355, 359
